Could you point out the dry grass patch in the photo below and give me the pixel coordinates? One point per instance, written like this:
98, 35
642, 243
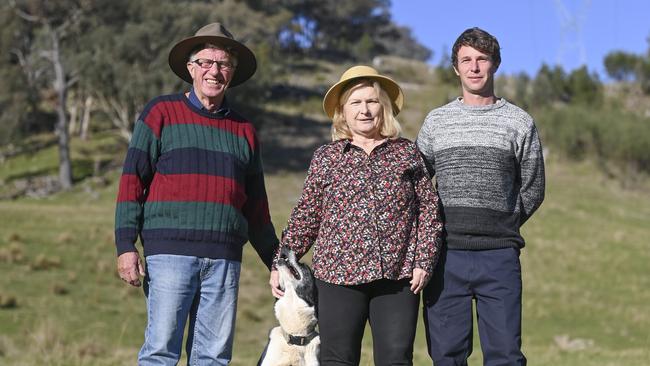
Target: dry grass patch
44, 263
13, 254
8, 301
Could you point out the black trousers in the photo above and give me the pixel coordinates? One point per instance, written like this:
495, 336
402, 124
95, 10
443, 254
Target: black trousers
389, 306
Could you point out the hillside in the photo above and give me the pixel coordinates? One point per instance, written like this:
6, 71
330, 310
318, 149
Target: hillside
586, 282
585, 274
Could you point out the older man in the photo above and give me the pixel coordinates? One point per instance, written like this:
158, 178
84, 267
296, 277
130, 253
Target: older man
192, 190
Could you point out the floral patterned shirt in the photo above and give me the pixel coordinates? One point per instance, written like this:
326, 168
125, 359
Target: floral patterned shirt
368, 217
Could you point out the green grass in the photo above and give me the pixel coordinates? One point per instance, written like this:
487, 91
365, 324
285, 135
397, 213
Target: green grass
585, 266
585, 278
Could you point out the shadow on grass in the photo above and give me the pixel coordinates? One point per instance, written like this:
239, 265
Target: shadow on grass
29, 146
81, 169
288, 142
31, 174
292, 93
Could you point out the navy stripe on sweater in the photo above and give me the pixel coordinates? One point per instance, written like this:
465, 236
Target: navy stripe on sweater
199, 161
137, 162
198, 243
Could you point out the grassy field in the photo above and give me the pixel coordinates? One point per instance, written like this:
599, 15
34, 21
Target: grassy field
585, 266
585, 270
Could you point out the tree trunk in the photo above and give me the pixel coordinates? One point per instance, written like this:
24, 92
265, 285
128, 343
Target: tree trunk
85, 119
118, 114
61, 88
74, 116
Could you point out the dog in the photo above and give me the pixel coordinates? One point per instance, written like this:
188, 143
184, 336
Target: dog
295, 342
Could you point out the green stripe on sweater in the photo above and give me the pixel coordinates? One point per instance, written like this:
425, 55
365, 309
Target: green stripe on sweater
144, 139
195, 216
127, 215
205, 137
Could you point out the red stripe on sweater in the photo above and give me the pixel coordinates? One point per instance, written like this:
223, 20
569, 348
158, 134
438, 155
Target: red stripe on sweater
130, 188
196, 188
177, 112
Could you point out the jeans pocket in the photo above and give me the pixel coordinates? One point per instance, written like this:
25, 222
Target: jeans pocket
232, 274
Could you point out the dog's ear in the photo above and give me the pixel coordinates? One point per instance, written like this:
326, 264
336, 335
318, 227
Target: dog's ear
307, 287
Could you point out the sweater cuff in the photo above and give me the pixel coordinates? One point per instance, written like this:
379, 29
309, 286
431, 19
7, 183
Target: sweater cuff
124, 247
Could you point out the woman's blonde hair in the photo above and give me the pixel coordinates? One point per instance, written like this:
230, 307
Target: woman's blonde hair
389, 127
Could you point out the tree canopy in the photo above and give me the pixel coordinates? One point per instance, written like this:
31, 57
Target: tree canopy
115, 51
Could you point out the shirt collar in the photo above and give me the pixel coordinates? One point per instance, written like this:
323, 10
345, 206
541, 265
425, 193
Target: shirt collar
347, 145
224, 109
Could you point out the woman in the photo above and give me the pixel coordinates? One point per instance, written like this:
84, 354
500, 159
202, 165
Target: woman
369, 210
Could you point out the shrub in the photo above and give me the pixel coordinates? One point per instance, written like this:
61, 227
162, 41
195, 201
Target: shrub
581, 132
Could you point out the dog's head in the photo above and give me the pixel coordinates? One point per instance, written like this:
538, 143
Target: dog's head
296, 275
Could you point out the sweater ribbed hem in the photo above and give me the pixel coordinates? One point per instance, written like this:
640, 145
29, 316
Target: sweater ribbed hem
483, 244
195, 249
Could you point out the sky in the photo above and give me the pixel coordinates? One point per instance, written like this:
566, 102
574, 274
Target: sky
570, 33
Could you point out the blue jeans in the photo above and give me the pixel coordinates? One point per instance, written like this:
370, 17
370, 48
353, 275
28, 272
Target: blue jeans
493, 279
203, 289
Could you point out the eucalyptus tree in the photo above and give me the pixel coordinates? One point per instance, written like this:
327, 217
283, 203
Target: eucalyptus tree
128, 45
18, 95
52, 24
622, 66
356, 30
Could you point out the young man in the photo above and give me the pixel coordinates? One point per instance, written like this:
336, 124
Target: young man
487, 158
192, 190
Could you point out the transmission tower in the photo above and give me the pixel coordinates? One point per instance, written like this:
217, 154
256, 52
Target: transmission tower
571, 42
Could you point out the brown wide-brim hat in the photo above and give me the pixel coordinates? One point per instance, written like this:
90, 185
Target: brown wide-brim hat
218, 35
393, 90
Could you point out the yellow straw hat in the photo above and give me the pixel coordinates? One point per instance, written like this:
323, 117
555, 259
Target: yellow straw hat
393, 90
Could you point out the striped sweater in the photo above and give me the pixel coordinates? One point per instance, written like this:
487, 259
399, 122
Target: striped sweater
193, 184
489, 170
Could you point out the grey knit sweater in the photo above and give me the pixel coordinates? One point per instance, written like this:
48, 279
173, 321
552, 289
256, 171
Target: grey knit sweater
489, 170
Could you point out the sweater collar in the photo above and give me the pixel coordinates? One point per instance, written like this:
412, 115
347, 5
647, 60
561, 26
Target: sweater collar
480, 108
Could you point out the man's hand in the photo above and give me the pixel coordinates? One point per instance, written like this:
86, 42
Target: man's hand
274, 281
419, 280
130, 268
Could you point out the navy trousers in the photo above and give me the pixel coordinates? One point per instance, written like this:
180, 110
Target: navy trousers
493, 279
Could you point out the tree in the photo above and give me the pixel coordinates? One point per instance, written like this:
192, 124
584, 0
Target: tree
53, 23
584, 88
521, 95
18, 97
622, 66
124, 57
445, 71
334, 29
550, 86
114, 53
129, 43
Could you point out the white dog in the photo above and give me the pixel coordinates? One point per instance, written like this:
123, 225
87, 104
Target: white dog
295, 342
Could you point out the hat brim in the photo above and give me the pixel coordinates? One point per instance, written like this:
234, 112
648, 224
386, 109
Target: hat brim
246, 62
331, 99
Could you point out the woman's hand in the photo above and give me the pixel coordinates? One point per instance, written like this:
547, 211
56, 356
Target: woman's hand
274, 281
419, 280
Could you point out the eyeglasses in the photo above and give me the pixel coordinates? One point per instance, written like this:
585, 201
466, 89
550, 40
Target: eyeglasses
206, 64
